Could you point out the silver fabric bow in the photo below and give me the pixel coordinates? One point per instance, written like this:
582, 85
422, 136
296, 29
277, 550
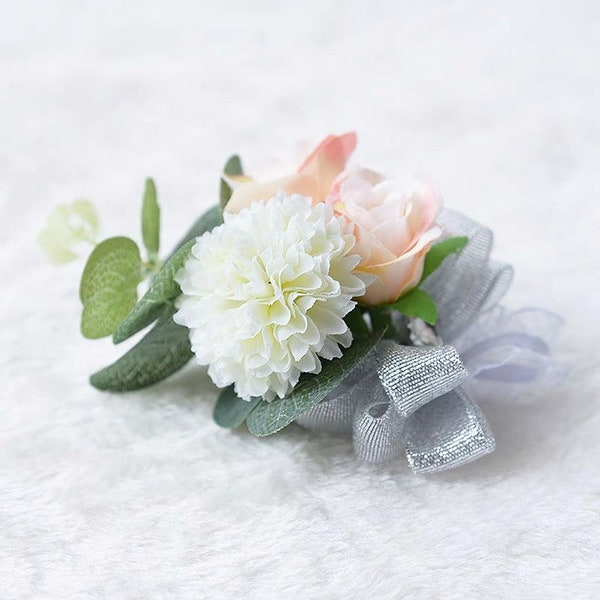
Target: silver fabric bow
422, 400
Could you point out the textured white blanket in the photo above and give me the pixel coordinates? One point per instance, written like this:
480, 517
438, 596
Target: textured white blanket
141, 495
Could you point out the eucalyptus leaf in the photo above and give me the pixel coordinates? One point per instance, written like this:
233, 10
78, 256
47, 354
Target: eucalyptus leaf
230, 410
161, 352
438, 252
269, 417
162, 290
108, 288
150, 219
207, 222
417, 303
233, 166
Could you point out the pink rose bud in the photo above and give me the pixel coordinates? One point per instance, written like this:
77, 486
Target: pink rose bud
393, 230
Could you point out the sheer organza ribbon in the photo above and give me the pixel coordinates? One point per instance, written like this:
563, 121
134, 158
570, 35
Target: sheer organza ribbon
422, 400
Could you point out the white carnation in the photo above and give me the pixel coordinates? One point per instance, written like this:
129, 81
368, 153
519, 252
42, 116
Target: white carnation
264, 295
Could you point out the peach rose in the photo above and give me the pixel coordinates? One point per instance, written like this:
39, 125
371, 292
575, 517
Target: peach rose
314, 178
393, 230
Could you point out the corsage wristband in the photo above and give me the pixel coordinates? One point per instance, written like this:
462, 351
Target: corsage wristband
329, 297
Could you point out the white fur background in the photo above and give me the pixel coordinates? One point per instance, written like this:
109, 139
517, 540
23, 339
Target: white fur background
141, 495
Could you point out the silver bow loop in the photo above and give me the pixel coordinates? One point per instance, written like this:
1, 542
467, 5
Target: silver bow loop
376, 408
466, 283
414, 375
335, 413
378, 429
495, 281
447, 432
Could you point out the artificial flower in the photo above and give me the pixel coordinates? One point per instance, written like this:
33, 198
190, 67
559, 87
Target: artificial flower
68, 226
313, 179
264, 295
393, 230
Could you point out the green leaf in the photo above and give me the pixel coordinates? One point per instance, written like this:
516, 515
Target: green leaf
438, 252
108, 288
233, 166
417, 303
207, 222
150, 219
67, 226
269, 417
356, 323
162, 351
162, 290
230, 410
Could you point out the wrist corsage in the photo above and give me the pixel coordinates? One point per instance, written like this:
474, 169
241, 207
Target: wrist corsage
331, 297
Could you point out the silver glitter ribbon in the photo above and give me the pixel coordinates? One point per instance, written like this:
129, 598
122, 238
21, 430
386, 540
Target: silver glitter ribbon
422, 400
